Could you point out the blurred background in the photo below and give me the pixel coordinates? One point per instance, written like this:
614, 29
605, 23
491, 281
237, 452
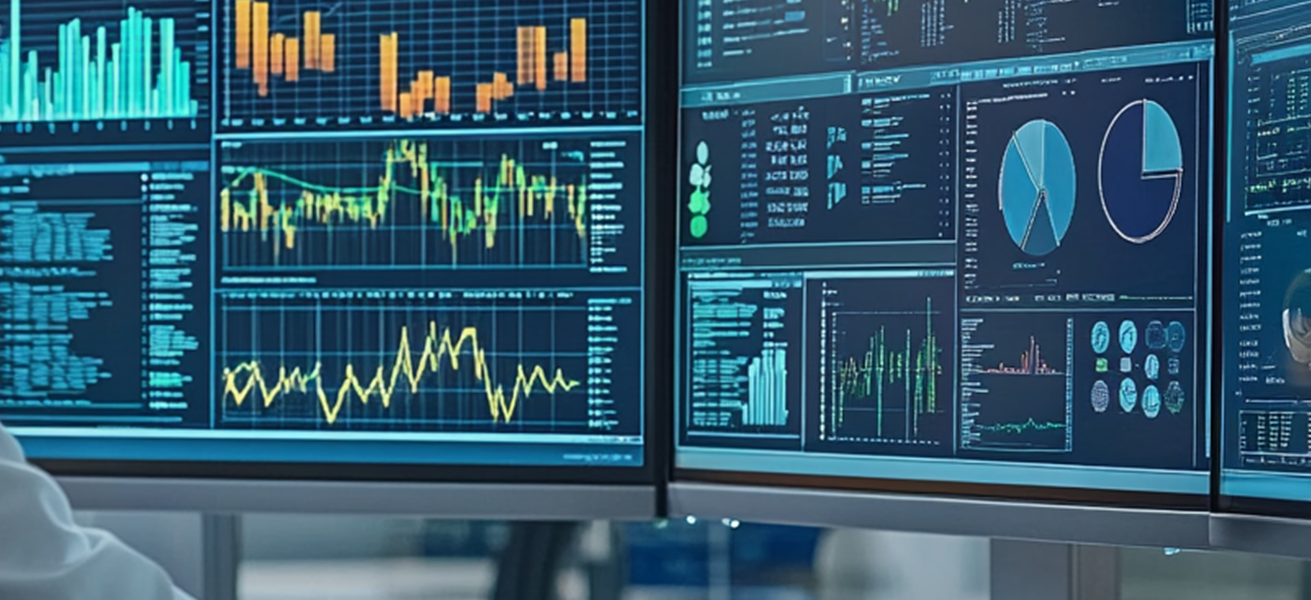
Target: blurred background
366, 558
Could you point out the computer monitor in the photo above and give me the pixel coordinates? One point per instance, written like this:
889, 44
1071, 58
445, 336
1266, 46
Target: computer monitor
1266, 392
335, 241
954, 247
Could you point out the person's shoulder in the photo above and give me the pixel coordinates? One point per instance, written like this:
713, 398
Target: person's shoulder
9, 448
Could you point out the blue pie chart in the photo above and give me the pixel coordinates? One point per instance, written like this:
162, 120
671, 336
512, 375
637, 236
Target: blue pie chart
1140, 172
1037, 187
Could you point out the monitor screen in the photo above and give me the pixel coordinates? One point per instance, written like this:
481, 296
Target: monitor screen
947, 242
284, 231
1266, 406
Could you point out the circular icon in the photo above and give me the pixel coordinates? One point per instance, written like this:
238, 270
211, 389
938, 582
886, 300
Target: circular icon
1177, 336
1174, 398
1128, 395
1154, 337
1152, 366
1151, 402
1036, 187
1128, 336
1140, 171
699, 202
1101, 337
1101, 397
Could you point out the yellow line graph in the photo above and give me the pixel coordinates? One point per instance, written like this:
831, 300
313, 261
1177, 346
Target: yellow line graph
384, 382
511, 190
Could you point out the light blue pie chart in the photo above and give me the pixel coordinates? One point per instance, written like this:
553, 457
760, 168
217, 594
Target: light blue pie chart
1036, 188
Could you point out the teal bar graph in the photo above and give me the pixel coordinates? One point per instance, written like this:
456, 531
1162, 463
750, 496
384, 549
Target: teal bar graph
142, 75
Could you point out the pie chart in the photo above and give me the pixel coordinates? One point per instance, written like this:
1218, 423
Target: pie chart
1036, 187
1140, 172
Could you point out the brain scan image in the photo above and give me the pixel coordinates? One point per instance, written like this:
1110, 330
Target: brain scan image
1128, 395
1101, 337
1101, 396
1156, 336
1152, 366
1128, 336
1297, 318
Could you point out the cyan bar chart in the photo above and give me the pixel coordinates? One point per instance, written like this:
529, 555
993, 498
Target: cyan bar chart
134, 69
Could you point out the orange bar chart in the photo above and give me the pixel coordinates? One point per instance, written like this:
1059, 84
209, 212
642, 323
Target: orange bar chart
406, 105
561, 66
442, 95
293, 59
260, 46
327, 53
539, 59
276, 60
423, 91
279, 42
525, 56
313, 28
267, 53
501, 88
578, 50
243, 34
484, 97
389, 68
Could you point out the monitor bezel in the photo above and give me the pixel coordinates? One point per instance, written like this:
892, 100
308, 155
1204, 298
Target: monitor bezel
1003, 518
1240, 522
660, 96
766, 483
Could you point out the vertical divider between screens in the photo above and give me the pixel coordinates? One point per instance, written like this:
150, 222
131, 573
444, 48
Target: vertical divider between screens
1219, 216
674, 21
211, 371
662, 131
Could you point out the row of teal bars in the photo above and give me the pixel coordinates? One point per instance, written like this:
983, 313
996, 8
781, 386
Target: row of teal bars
128, 79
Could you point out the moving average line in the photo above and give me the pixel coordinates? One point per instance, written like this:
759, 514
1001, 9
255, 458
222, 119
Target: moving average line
384, 385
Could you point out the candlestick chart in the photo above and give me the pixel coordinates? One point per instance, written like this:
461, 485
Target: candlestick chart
295, 63
427, 362
95, 61
888, 361
410, 203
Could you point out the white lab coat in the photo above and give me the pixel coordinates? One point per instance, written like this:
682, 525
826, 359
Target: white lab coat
44, 555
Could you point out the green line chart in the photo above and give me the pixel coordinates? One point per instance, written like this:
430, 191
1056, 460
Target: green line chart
1020, 428
887, 369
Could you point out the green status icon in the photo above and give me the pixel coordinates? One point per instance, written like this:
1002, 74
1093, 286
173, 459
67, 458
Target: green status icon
699, 205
